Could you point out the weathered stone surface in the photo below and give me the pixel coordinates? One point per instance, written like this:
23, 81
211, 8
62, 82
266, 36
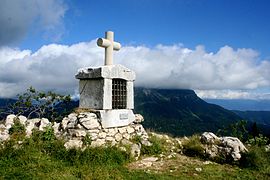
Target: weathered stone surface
112, 132
3, 133
22, 119
77, 132
98, 143
209, 138
64, 123
212, 151
73, 143
135, 150
56, 128
116, 117
102, 135
118, 137
224, 146
148, 162
94, 136
72, 117
198, 169
138, 118
108, 138
30, 124
4, 136
126, 136
2, 127
90, 121
72, 124
236, 145
44, 122
122, 130
10, 121
91, 131
130, 130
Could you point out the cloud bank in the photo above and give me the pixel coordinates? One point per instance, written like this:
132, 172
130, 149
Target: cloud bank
17, 17
53, 67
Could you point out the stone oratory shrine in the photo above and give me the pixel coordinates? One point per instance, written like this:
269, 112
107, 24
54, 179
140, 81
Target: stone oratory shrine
108, 89
105, 114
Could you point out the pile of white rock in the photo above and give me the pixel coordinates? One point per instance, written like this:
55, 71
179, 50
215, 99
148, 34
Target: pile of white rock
230, 147
77, 126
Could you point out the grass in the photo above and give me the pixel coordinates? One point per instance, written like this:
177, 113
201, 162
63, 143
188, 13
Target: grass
42, 156
193, 147
156, 148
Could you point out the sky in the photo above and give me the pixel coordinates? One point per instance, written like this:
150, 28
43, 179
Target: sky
219, 48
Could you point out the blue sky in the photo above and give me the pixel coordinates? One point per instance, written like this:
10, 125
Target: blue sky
212, 23
220, 48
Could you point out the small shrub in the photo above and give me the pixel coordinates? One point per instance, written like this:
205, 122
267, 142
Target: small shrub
193, 147
87, 140
109, 156
17, 131
33, 104
155, 149
257, 158
136, 139
258, 140
48, 134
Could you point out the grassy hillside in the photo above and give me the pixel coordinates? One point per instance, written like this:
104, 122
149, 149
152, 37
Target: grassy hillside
180, 112
44, 157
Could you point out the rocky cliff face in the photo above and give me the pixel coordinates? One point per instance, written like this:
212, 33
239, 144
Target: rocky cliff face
180, 112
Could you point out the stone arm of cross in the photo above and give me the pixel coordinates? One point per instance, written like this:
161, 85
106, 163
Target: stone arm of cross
109, 45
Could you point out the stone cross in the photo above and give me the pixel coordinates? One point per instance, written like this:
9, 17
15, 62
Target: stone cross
109, 46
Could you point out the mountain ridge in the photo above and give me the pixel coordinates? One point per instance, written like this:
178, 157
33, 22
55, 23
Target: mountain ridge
180, 112
175, 111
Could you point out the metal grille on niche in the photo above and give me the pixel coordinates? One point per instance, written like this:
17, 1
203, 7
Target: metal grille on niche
119, 94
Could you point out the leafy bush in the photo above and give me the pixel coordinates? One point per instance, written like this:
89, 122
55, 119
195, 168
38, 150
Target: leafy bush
257, 158
136, 139
155, 149
17, 130
193, 147
238, 129
87, 140
259, 140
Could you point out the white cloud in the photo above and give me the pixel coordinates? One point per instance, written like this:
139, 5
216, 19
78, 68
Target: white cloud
17, 16
53, 67
232, 94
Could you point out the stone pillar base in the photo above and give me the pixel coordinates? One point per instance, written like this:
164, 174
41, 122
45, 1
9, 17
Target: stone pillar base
116, 117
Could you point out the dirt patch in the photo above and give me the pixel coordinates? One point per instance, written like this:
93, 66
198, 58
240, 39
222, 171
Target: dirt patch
167, 164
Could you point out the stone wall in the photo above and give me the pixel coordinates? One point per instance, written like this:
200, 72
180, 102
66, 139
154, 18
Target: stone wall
76, 128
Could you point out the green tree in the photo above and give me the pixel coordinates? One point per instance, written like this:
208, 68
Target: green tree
34, 103
237, 129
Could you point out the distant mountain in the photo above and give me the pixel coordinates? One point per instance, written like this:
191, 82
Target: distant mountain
262, 119
242, 104
180, 112
177, 112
